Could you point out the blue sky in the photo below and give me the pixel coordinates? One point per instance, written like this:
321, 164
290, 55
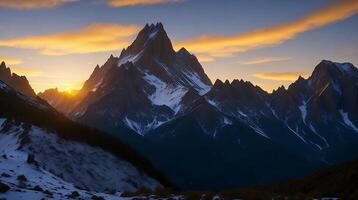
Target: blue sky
267, 65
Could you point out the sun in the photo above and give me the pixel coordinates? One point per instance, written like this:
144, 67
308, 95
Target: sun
71, 92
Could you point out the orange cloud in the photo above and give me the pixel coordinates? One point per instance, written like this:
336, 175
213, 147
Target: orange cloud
96, 37
281, 76
26, 71
10, 61
262, 60
123, 3
204, 58
226, 45
32, 4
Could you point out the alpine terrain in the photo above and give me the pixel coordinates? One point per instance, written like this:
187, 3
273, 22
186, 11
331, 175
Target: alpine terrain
205, 135
46, 155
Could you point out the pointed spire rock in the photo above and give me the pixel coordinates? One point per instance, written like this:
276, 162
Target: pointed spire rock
20, 83
218, 83
183, 51
3, 65
152, 40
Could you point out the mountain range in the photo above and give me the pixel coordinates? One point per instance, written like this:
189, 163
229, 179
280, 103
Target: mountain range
204, 135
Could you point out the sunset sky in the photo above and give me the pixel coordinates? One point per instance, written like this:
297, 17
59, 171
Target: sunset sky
57, 43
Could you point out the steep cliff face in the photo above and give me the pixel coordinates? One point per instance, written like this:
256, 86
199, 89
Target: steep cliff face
20, 83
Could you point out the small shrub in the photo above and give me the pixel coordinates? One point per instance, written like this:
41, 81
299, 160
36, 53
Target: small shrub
22, 178
5, 175
4, 188
31, 159
74, 195
48, 192
94, 197
38, 188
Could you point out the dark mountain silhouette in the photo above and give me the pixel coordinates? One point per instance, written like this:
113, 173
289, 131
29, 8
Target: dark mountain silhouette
20, 83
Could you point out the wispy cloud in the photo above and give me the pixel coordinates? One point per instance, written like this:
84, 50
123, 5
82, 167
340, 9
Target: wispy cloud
32, 4
281, 76
27, 71
92, 38
204, 58
225, 45
262, 60
10, 61
123, 3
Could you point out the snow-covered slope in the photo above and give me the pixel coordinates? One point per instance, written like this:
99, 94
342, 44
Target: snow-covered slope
62, 166
62, 156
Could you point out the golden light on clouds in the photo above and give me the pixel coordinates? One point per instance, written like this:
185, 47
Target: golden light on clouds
281, 76
32, 4
96, 37
224, 45
10, 61
26, 71
204, 58
262, 60
123, 3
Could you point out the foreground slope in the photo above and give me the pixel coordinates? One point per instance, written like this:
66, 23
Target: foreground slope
37, 140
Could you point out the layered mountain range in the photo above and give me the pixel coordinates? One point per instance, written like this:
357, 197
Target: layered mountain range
222, 135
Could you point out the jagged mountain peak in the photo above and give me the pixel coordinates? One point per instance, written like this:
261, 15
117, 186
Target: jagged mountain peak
2, 65
328, 72
279, 90
334, 69
20, 83
184, 51
152, 40
235, 84
218, 83
5, 71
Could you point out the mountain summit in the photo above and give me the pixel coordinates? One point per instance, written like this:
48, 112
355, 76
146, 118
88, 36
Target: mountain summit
153, 78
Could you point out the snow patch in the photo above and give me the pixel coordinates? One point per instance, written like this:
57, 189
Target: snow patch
227, 121
3, 85
347, 121
303, 109
259, 131
142, 128
296, 133
196, 82
129, 58
322, 138
165, 94
212, 102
